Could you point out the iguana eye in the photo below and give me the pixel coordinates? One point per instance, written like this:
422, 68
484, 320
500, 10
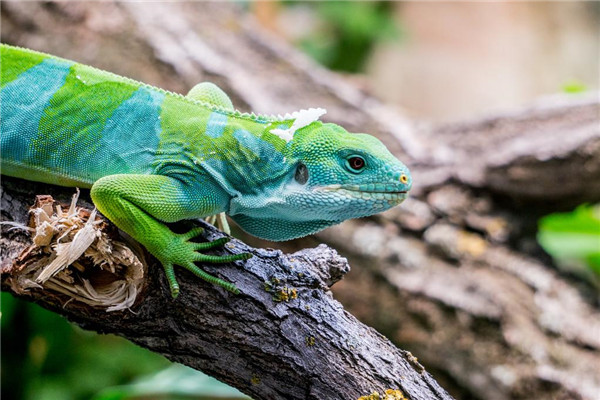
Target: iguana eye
301, 175
355, 163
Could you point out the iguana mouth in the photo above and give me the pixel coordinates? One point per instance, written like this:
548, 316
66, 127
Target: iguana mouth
367, 188
368, 191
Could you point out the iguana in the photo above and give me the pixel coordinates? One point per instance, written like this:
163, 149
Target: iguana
152, 157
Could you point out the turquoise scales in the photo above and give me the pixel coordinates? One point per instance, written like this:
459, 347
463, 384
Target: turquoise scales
59, 116
152, 156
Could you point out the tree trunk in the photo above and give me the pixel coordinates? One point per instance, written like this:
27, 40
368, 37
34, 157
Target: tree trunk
455, 274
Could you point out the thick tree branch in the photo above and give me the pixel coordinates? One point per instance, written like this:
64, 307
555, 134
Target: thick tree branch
283, 337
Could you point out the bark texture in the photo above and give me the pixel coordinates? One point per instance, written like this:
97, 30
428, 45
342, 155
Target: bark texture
454, 275
284, 337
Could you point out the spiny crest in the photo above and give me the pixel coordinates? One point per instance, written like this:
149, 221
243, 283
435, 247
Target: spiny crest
301, 119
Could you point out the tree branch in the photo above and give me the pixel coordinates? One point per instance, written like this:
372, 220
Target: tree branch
283, 337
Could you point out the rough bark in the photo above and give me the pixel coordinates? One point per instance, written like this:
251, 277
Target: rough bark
283, 337
455, 274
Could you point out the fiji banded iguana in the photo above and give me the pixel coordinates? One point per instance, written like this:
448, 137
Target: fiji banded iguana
152, 157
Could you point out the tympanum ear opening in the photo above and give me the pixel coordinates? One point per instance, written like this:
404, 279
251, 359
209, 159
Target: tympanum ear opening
301, 175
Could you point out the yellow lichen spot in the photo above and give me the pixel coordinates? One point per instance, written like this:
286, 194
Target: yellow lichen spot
286, 294
471, 244
255, 380
269, 285
372, 396
310, 341
389, 394
394, 394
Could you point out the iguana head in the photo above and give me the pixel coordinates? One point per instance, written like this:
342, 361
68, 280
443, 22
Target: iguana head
330, 175
340, 175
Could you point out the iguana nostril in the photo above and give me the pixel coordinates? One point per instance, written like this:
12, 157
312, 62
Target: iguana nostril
404, 179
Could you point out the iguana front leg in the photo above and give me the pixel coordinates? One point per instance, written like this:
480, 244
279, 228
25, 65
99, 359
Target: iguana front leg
210, 93
138, 203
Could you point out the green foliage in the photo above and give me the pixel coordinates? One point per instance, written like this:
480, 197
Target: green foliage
44, 357
574, 86
175, 382
348, 32
573, 240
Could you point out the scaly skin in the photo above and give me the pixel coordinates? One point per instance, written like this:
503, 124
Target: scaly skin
152, 156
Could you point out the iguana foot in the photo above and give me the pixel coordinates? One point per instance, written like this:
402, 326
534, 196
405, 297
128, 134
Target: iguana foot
184, 253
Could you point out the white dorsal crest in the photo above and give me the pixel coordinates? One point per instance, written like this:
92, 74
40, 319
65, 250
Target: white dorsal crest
301, 118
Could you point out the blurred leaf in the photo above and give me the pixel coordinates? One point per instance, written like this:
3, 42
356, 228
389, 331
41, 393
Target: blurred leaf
7, 307
348, 32
573, 240
44, 357
574, 86
175, 382
358, 20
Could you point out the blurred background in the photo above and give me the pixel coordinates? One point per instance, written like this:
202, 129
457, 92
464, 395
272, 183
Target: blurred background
445, 61
433, 62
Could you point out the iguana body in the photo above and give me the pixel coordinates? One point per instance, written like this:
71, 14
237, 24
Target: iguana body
152, 156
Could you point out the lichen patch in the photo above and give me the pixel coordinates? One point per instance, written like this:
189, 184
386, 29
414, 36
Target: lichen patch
389, 394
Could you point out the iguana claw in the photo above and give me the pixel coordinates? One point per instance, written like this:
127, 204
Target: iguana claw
184, 253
